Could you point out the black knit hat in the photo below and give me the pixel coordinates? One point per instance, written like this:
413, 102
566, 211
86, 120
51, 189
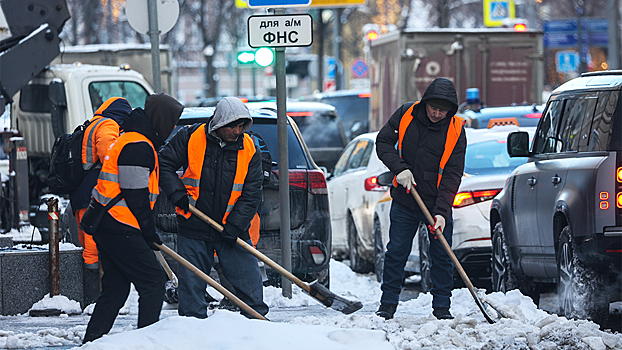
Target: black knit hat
441, 104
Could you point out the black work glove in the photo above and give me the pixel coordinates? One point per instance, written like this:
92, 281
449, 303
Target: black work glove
183, 204
151, 239
228, 237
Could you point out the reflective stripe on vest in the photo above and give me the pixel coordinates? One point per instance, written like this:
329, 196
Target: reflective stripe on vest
108, 182
89, 153
197, 144
455, 128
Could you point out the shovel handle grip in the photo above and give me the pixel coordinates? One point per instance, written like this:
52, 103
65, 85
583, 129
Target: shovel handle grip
259, 255
451, 254
210, 281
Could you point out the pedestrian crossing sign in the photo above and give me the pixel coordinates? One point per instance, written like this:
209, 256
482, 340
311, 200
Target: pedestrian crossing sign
495, 11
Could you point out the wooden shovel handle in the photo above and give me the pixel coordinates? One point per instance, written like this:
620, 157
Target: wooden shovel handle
210, 281
259, 255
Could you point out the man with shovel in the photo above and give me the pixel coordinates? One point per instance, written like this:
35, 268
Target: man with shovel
424, 144
120, 216
222, 177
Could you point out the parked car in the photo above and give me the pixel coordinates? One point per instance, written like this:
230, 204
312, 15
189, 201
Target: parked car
352, 192
309, 215
320, 127
487, 117
487, 166
352, 107
213, 101
558, 219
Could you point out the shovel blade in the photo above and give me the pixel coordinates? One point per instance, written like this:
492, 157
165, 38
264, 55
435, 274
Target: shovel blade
332, 300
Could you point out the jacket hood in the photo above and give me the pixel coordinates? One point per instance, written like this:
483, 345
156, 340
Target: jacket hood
163, 111
137, 121
115, 108
443, 89
228, 110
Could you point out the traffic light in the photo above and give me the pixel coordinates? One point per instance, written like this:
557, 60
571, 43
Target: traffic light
520, 27
264, 56
245, 57
371, 31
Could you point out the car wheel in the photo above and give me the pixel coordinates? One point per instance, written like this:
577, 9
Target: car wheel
581, 290
424, 258
503, 279
378, 250
357, 263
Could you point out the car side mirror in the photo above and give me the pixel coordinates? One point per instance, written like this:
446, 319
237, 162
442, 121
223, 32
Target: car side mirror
356, 128
385, 179
518, 144
58, 97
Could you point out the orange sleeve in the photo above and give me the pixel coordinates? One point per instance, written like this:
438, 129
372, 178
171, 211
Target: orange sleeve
107, 133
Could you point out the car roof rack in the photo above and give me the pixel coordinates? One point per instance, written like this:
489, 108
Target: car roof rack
601, 73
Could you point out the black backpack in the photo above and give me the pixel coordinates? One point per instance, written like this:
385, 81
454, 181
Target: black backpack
66, 171
266, 160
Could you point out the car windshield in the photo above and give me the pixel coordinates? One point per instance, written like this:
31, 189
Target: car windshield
318, 129
490, 157
350, 109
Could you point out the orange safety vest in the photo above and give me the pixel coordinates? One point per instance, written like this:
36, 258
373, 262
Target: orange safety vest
455, 128
89, 152
192, 176
108, 187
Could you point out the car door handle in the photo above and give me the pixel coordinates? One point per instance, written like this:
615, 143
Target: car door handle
532, 181
556, 179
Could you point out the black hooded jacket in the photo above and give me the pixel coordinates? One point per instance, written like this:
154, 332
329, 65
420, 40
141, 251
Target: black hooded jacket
422, 148
136, 154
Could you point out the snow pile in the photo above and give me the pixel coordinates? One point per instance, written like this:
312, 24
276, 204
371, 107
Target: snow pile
58, 302
228, 330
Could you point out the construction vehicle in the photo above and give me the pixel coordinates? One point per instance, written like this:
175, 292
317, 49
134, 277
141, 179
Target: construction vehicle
46, 101
504, 65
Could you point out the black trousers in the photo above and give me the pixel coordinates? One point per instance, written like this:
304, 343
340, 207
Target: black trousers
126, 259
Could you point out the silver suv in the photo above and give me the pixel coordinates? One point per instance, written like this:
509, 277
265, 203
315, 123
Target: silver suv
558, 219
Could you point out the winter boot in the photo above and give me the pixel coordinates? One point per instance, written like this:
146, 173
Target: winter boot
386, 310
442, 313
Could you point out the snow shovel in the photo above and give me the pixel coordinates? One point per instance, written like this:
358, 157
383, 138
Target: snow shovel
169, 272
210, 281
451, 254
314, 289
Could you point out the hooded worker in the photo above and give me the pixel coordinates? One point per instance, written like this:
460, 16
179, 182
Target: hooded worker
222, 177
423, 144
103, 129
126, 191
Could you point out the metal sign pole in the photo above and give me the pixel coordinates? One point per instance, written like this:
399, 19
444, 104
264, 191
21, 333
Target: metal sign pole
154, 35
281, 109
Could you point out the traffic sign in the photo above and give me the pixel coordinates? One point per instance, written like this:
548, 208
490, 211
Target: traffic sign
337, 3
138, 15
359, 68
277, 3
567, 61
495, 11
280, 30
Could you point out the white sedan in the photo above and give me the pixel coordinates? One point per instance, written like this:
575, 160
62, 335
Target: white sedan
352, 195
487, 166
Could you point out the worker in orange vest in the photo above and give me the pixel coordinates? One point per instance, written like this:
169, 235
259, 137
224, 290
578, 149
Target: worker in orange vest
222, 177
423, 144
103, 129
126, 191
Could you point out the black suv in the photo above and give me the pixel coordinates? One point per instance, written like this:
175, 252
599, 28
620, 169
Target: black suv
309, 215
558, 220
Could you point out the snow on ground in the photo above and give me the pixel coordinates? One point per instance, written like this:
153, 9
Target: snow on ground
522, 325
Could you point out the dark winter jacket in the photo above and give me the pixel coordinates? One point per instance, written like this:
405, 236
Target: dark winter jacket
136, 154
423, 146
217, 176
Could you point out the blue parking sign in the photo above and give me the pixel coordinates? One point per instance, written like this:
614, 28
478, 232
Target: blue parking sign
567, 61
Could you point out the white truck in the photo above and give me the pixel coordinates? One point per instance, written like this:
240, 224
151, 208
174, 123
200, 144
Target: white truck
46, 101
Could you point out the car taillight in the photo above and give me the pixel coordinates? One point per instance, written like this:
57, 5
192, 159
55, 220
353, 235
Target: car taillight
299, 114
371, 184
316, 253
311, 180
533, 115
463, 199
365, 95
